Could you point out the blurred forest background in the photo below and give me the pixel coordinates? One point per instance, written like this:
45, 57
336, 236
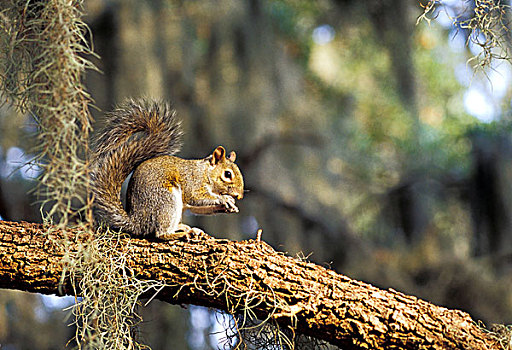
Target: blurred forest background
368, 142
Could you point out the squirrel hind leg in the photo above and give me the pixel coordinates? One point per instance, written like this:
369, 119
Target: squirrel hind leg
169, 216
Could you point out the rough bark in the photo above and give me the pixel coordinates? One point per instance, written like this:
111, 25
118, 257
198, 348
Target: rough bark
219, 273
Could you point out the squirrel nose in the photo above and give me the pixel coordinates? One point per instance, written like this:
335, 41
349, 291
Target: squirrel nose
237, 195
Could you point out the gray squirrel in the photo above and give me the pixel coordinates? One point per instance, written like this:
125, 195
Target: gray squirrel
142, 136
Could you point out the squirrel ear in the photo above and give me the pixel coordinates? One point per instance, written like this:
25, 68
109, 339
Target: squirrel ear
232, 156
218, 155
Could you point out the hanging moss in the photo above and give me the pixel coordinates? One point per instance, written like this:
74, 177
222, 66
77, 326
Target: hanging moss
43, 55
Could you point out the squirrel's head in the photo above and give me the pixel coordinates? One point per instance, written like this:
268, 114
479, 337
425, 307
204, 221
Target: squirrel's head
225, 174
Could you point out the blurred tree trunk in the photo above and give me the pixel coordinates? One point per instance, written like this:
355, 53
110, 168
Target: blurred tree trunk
393, 22
490, 193
218, 273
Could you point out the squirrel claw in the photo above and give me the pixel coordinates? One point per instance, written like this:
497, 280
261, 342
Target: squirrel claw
191, 233
184, 232
229, 204
172, 236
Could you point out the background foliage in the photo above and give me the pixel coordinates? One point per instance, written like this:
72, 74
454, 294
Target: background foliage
360, 134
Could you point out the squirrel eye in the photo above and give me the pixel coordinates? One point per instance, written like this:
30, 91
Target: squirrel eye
227, 174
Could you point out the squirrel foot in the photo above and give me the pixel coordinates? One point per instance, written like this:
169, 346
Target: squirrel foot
191, 233
172, 236
184, 232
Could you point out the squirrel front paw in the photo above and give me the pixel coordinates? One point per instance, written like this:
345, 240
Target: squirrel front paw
229, 205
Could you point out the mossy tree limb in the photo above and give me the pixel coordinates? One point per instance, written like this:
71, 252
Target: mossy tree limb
250, 275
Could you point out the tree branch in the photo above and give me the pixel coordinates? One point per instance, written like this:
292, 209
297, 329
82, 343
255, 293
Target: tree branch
214, 273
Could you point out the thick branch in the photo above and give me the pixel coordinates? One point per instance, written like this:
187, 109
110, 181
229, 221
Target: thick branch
210, 272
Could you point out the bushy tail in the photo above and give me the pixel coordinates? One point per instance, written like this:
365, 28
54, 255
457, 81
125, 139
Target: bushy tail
136, 131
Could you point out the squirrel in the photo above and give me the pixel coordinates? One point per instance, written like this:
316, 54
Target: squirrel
142, 136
